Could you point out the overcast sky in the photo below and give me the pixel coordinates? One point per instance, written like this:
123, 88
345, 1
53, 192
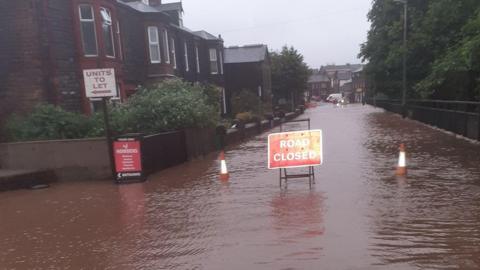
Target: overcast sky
324, 31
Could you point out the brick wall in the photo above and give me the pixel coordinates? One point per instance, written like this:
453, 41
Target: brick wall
22, 74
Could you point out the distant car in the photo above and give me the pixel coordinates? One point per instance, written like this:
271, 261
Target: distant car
334, 98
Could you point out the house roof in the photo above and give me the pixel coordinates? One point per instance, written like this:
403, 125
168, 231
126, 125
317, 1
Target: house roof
205, 35
170, 6
246, 54
318, 78
139, 6
349, 67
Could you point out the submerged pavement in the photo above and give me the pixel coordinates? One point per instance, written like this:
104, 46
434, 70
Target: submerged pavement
358, 215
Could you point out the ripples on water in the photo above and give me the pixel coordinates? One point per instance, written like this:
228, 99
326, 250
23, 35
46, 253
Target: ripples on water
357, 216
431, 219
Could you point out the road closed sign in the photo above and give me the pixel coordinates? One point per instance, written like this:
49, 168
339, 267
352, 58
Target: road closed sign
295, 149
100, 83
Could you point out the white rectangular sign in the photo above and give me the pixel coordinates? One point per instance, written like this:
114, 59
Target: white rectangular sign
100, 83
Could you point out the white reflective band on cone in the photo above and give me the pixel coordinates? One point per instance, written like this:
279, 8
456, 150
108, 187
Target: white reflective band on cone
401, 160
223, 167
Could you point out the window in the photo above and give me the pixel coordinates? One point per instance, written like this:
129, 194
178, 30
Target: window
87, 29
185, 49
221, 62
153, 44
174, 55
119, 38
213, 61
107, 32
197, 58
166, 48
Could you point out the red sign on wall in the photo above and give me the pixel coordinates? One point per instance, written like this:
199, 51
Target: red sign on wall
128, 158
295, 149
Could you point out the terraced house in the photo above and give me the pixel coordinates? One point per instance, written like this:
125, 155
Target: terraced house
46, 44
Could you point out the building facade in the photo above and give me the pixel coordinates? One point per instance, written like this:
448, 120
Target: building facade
46, 45
248, 67
319, 86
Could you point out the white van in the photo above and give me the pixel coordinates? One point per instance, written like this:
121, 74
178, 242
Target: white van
334, 98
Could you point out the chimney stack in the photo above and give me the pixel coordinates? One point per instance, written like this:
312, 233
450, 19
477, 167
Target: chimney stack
155, 3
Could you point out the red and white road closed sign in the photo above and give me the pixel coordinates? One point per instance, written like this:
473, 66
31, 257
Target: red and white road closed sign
295, 149
100, 83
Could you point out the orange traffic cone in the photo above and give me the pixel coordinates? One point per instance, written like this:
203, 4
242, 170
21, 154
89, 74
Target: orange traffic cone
402, 162
224, 176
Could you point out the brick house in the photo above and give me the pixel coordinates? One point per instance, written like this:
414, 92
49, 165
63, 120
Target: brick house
319, 86
359, 84
46, 44
341, 78
248, 67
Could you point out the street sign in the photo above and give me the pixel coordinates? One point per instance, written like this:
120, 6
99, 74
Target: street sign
100, 83
295, 149
128, 159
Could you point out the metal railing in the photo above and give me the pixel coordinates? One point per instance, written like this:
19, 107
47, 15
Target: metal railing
460, 117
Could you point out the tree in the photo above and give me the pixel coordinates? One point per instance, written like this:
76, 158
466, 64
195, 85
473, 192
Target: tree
289, 76
441, 51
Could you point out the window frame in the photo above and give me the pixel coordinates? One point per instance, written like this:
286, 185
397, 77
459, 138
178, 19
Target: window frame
92, 20
213, 61
197, 58
221, 61
166, 47
173, 52
110, 26
187, 63
153, 43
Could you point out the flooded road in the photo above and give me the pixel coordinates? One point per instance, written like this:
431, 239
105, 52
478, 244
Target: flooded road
358, 215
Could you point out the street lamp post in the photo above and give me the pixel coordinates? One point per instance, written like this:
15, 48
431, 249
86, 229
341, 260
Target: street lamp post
404, 76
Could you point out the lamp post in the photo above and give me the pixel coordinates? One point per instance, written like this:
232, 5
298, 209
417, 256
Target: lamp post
404, 76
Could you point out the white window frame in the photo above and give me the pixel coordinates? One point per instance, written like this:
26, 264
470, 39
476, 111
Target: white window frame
197, 58
92, 20
213, 58
119, 37
185, 48
166, 46
154, 43
174, 53
107, 18
221, 62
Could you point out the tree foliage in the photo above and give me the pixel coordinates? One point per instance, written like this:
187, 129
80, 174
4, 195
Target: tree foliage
289, 75
170, 105
442, 52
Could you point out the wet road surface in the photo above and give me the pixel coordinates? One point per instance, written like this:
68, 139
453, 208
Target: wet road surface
358, 215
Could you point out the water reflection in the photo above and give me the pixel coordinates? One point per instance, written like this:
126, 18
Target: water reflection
430, 218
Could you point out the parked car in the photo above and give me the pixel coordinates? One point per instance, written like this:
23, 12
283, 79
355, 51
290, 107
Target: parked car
334, 98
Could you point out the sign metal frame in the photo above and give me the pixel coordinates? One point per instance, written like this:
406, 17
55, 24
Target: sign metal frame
284, 175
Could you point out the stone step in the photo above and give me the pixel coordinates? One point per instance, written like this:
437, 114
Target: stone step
24, 179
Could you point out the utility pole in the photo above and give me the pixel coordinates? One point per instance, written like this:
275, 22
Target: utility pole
404, 75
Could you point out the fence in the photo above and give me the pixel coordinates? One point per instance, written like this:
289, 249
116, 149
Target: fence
460, 117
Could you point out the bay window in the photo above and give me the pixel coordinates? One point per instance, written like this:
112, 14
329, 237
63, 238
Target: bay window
185, 49
107, 32
166, 48
213, 61
87, 30
153, 44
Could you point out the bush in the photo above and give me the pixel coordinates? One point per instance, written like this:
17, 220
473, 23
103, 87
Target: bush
246, 101
47, 122
244, 117
170, 105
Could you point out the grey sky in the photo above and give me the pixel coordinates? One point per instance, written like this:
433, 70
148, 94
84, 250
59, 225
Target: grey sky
324, 31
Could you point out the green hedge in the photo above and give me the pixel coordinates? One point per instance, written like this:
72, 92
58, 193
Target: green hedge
170, 105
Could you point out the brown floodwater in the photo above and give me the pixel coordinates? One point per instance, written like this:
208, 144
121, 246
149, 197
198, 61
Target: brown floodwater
358, 215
